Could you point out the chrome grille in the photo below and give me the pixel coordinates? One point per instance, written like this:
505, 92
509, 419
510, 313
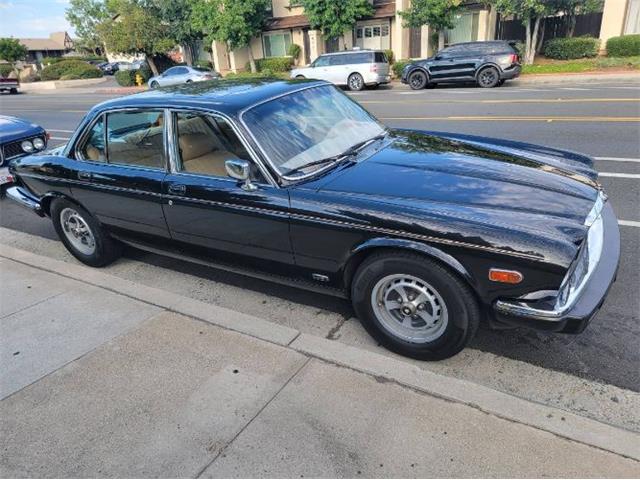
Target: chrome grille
13, 149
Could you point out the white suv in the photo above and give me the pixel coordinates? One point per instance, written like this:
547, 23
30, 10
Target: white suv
354, 68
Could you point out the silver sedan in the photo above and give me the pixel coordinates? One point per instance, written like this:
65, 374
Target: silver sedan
182, 74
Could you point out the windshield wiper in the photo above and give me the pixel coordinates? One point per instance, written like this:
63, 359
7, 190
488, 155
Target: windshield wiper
352, 150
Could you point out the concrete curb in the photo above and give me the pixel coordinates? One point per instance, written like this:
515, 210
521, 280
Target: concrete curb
60, 84
502, 405
572, 78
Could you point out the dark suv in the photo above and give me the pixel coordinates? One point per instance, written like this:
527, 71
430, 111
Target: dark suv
488, 64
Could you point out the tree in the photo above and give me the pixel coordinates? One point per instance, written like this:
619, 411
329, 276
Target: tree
136, 27
334, 17
573, 8
438, 14
531, 13
234, 22
12, 50
178, 15
85, 16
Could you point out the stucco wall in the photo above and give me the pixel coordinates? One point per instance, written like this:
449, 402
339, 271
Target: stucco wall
613, 17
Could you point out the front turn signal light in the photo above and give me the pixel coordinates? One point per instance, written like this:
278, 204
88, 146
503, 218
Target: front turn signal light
505, 276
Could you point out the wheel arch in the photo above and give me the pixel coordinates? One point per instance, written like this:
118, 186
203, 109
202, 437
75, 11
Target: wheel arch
422, 68
485, 65
48, 198
388, 244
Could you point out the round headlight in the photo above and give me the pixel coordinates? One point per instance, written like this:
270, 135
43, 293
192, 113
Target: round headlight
38, 143
27, 146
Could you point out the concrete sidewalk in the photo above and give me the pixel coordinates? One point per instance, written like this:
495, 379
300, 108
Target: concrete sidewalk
104, 377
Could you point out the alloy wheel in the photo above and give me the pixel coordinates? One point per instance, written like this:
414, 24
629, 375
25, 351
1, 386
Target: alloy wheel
409, 308
488, 77
77, 231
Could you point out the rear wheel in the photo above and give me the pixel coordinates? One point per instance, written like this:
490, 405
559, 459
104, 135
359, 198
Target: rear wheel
154, 84
355, 82
488, 77
417, 80
414, 306
13, 91
300, 77
83, 235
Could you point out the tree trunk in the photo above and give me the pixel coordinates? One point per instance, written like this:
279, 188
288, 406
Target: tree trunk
252, 62
152, 65
541, 37
572, 25
527, 41
440, 40
534, 40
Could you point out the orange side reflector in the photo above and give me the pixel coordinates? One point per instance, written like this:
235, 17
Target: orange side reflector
505, 276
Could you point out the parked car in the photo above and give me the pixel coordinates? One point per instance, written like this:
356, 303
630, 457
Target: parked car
18, 138
182, 74
426, 233
354, 69
10, 85
113, 67
488, 64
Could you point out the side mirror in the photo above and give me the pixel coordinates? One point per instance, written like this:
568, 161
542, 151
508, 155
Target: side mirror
240, 170
438, 57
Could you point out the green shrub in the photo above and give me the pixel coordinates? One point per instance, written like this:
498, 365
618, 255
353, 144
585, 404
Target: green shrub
390, 56
518, 46
624, 46
275, 64
398, 66
70, 69
294, 51
570, 48
127, 78
5, 69
203, 64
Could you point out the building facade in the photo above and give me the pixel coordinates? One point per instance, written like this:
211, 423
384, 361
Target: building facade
384, 30
57, 45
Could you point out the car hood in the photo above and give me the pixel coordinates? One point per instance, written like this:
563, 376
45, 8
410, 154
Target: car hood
493, 194
12, 128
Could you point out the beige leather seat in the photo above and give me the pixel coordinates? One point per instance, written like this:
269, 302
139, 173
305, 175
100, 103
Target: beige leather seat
202, 153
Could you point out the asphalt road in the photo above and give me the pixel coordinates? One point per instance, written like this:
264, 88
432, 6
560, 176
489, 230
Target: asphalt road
599, 119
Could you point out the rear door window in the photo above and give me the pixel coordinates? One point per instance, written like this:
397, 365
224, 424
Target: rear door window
136, 138
362, 57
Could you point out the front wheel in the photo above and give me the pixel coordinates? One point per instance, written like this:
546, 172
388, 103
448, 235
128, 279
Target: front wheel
414, 306
13, 91
82, 234
488, 77
154, 84
417, 80
355, 82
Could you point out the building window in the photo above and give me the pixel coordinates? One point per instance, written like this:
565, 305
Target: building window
276, 44
465, 30
632, 25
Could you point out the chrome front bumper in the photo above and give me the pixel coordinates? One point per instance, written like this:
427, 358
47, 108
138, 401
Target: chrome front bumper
23, 198
584, 302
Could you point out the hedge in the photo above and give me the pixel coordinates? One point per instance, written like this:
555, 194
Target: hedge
70, 70
127, 78
294, 51
390, 56
273, 64
398, 66
5, 69
624, 46
570, 48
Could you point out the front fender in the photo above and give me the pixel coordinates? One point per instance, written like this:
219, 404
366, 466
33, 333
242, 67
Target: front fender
418, 247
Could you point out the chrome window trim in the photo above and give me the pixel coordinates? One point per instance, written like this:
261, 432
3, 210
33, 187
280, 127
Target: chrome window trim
275, 97
248, 147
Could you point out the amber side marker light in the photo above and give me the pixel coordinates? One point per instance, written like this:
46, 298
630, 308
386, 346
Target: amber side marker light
505, 276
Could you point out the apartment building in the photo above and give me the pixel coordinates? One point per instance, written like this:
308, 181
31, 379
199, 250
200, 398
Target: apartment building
382, 30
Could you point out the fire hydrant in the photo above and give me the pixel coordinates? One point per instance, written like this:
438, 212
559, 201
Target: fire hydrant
139, 79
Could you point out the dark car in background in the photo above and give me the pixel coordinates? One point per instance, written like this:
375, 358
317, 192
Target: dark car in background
18, 138
8, 84
487, 64
293, 181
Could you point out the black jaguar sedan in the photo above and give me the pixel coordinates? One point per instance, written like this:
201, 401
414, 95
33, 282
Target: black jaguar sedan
293, 181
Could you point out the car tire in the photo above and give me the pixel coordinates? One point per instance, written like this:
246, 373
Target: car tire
300, 77
355, 82
488, 77
501, 82
83, 235
13, 91
437, 328
154, 84
417, 80
189, 81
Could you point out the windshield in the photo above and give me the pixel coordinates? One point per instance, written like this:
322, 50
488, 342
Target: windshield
307, 126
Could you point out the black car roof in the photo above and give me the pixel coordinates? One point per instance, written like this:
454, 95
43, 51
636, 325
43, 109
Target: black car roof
226, 96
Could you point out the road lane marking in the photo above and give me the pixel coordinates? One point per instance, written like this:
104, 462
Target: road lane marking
519, 119
617, 159
618, 175
629, 223
576, 88
511, 100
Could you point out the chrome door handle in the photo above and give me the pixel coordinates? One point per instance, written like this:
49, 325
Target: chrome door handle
85, 175
177, 189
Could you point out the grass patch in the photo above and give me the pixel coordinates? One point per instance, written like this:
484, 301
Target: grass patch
583, 65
